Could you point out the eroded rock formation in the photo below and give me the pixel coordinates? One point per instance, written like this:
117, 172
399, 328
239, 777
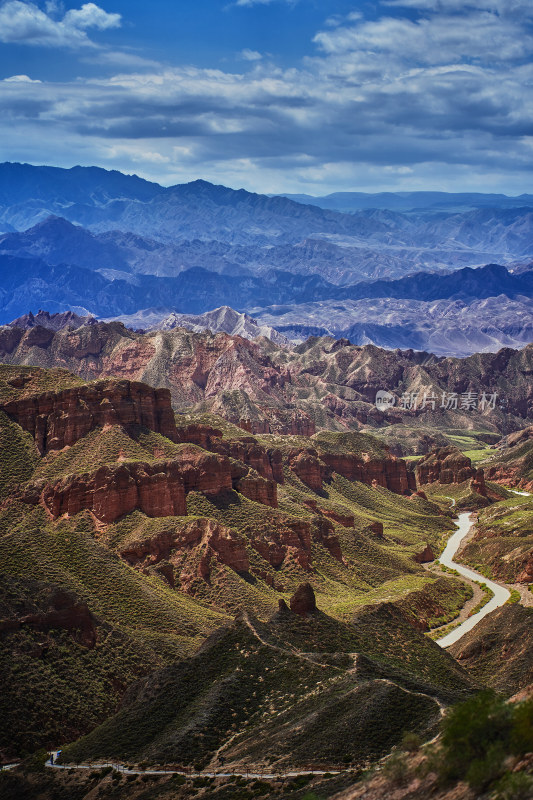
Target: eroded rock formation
303, 601
63, 611
57, 420
188, 551
156, 489
444, 465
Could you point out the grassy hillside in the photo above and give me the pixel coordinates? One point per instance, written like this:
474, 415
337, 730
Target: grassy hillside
300, 690
497, 653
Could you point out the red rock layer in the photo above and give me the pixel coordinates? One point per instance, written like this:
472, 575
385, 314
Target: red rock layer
290, 541
314, 467
205, 538
60, 419
307, 465
266, 462
258, 489
444, 465
425, 556
204, 472
477, 483
389, 472
346, 520
156, 489
303, 601
526, 574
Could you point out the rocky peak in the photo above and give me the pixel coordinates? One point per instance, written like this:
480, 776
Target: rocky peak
303, 601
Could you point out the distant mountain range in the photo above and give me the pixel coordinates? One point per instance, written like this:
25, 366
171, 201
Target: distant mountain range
256, 232
115, 246
420, 202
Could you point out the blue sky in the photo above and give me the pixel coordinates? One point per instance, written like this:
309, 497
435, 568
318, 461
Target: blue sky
274, 95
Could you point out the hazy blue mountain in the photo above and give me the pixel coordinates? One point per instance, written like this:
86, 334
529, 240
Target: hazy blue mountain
97, 242
464, 284
426, 202
259, 232
341, 262
442, 327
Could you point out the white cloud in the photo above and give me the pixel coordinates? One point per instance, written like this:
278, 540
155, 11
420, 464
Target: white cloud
437, 39
91, 16
395, 102
250, 55
20, 79
25, 23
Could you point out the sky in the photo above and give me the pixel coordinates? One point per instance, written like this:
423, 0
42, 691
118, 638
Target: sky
296, 96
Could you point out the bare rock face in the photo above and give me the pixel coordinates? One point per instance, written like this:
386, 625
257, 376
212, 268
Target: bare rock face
346, 520
526, 575
477, 483
444, 465
291, 541
309, 468
111, 492
59, 420
388, 472
188, 552
258, 489
158, 489
204, 472
376, 530
266, 462
425, 556
303, 600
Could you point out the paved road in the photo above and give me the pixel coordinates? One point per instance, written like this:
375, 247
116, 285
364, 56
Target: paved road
217, 774
501, 594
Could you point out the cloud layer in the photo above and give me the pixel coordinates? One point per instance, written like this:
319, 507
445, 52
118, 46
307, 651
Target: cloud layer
438, 95
26, 23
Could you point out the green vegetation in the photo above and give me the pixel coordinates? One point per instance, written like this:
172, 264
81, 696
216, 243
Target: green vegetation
287, 688
18, 456
479, 735
101, 447
488, 594
59, 687
20, 381
367, 662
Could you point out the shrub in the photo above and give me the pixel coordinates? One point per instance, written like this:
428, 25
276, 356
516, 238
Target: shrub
36, 762
479, 734
411, 742
396, 769
514, 786
522, 733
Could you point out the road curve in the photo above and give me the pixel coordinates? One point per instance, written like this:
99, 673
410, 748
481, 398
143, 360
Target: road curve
501, 594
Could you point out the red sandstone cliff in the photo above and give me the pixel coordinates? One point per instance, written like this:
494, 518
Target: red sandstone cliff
60, 419
112, 491
188, 551
444, 465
